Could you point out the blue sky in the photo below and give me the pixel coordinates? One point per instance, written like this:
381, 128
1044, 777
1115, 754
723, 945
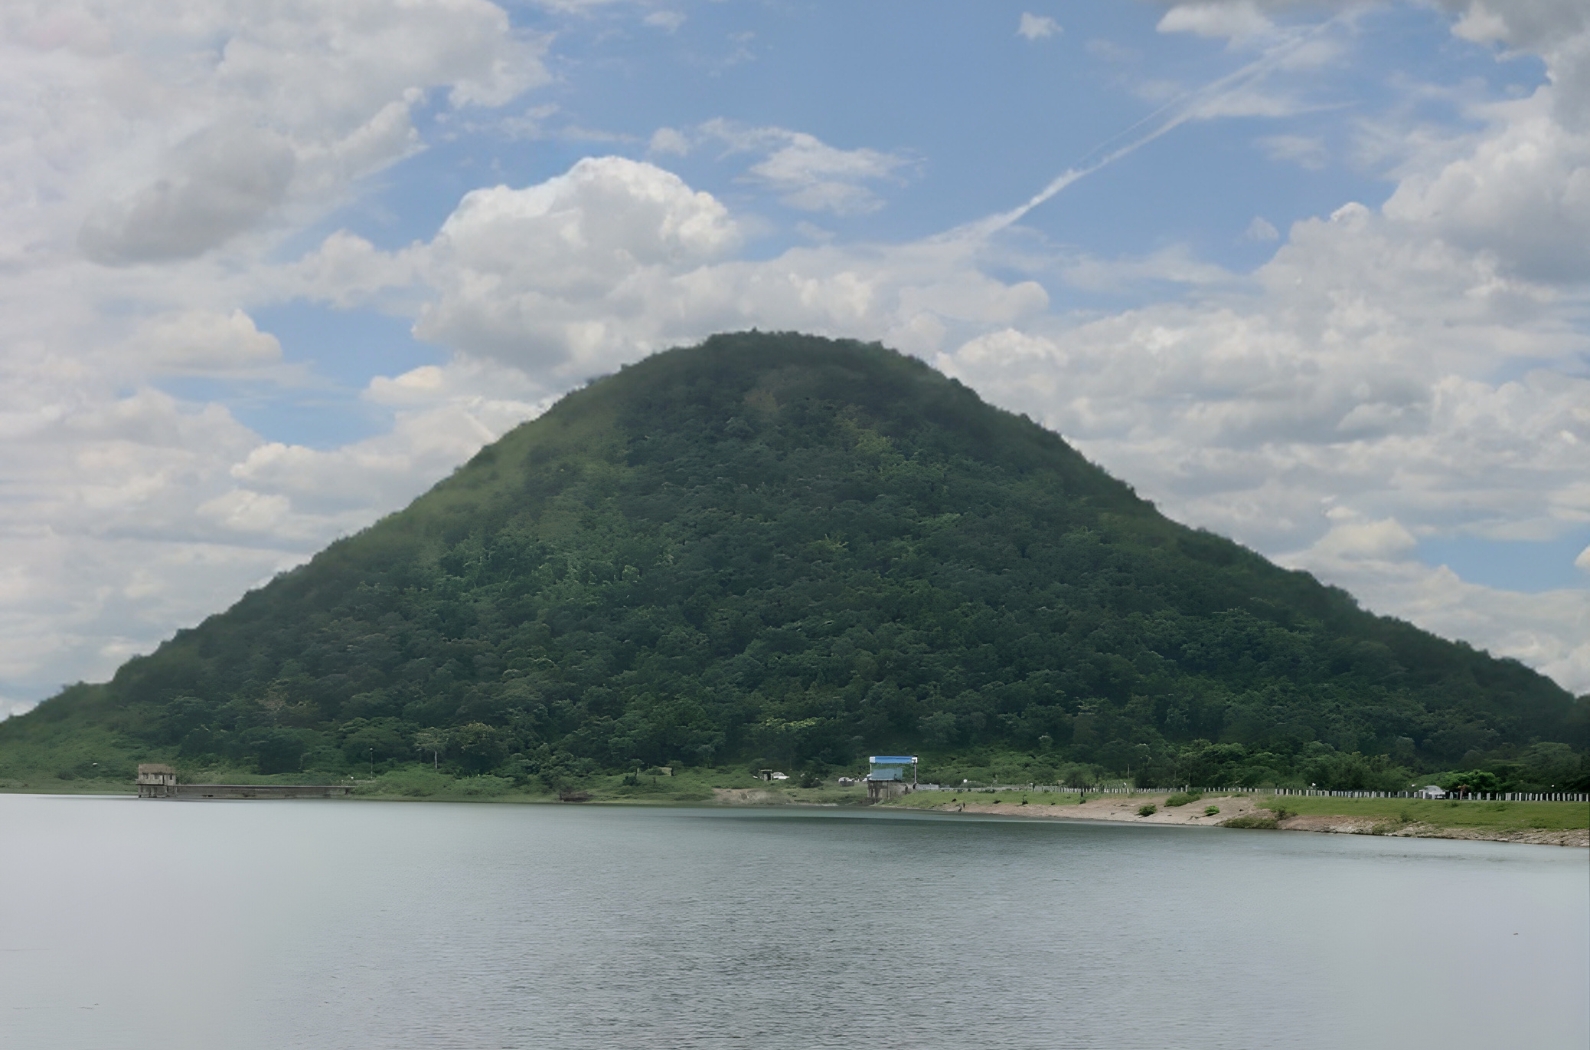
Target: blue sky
280, 268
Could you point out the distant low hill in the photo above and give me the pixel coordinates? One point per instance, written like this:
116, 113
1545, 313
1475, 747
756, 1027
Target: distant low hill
785, 550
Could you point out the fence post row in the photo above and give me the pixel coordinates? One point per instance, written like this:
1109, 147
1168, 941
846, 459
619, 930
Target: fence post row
1480, 796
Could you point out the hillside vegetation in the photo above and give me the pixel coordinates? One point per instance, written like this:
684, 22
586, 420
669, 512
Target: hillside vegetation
783, 550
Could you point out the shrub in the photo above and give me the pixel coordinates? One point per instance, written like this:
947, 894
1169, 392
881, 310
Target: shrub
1210, 811
1334, 771
1471, 781
1252, 820
1148, 810
1181, 798
483, 786
410, 783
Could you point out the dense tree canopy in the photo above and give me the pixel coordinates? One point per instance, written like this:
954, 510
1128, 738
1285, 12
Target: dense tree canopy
783, 548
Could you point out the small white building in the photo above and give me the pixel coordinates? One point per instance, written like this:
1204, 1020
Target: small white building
1431, 791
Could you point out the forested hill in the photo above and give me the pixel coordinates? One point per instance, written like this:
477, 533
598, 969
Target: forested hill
784, 549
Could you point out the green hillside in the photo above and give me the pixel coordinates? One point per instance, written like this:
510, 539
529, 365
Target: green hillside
787, 550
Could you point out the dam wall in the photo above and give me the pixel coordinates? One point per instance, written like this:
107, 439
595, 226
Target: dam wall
263, 791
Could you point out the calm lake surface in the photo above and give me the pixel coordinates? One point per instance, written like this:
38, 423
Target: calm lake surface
175, 925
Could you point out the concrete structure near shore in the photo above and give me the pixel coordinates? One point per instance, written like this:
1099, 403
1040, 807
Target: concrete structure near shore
160, 781
264, 790
156, 780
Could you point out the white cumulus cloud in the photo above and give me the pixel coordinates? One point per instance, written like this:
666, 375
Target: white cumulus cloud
204, 341
1261, 229
615, 258
558, 275
669, 21
1303, 150
152, 156
214, 186
805, 172
1227, 19
1037, 27
1522, 195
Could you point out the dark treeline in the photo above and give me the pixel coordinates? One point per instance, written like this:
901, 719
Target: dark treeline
788, 550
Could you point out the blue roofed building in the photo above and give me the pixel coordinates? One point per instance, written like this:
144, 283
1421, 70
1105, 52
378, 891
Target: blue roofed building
886, 776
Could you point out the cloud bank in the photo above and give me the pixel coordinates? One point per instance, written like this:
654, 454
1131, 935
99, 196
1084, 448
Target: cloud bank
1395, 371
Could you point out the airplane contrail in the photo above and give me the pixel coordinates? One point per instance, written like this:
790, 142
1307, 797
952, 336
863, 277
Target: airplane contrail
1180, 110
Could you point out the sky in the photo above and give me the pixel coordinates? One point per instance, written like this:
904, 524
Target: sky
1315, 276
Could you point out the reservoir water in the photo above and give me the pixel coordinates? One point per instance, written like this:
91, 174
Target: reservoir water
131, 925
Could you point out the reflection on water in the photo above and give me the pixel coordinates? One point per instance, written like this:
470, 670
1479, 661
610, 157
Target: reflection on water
170, 925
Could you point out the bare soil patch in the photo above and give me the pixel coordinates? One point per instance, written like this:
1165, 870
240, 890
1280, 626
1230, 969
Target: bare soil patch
749, 797
1122, 808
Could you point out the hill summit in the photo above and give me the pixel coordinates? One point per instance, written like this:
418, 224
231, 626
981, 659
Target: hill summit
781, 549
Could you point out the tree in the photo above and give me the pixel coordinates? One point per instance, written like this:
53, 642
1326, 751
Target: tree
433, 740
1471, 782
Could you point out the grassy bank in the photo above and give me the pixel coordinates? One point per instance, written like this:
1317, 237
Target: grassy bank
418, 783
1494, 816
684, 787
1385, 815
729, 785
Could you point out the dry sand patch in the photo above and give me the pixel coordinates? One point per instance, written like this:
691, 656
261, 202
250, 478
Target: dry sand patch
1122, 808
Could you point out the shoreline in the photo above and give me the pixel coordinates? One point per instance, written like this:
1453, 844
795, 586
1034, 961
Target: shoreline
1122, 809
1114, 809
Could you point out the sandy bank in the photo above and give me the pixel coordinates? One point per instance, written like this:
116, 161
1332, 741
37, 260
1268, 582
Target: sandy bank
1118, 808
749, 797
1359, 826
1123, 809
